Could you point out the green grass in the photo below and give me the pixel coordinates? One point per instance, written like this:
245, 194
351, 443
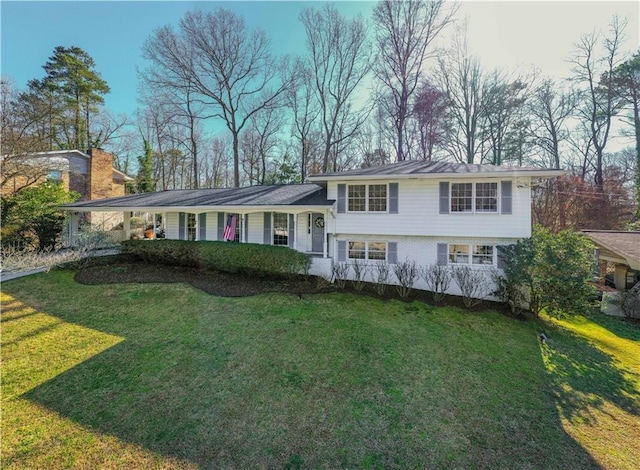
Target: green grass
166, 376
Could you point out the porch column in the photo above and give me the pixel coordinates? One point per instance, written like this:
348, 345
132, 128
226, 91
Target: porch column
324, 235
126, 226
620, 276
72, 234
153, 221
295, 232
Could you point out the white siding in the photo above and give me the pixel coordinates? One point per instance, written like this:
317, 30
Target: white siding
423, 250
171, 226
212, 226
256, 224
418, 202
303, 238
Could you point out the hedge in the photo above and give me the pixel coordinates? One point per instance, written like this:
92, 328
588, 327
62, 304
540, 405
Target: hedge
243, 258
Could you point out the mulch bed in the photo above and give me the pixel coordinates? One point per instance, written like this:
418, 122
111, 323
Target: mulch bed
121, 269
211, 282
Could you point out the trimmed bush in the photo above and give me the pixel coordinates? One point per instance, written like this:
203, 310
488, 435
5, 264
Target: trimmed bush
241, 258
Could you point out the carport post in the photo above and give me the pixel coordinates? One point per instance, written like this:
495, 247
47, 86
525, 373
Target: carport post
126, 225
72, 233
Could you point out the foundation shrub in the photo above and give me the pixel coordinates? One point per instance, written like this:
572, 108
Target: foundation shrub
169, 252
241, 258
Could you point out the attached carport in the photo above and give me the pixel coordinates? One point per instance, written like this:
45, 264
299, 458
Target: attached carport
623, 250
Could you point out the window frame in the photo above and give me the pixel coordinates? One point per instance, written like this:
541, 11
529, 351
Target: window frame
474, 198
477, 198
367, 199
471, 254
366, 251
273, 229
54, 176
191, 226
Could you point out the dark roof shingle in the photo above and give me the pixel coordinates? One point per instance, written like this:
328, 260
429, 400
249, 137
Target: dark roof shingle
275, 195
421, 167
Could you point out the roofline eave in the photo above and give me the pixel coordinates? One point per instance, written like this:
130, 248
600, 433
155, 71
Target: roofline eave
198, 209
443, 176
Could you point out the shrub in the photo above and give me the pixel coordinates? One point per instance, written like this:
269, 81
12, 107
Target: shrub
360, 270
381, 277
472, 283
242, 258
407, 274
31, 215
339, 272
438, 279
549, 272
629, 301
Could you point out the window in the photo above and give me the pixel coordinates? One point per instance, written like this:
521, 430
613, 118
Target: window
377, 198
461, 197
474, 197
373, 251
280, 229
480, 254
486, 197
191, 227
459, 254
367, 198
377, 251
357, 198
357, 250
54, 176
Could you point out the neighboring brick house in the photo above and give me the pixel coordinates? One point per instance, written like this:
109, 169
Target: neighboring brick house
90, 174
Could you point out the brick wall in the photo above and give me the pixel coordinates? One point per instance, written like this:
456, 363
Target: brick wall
100, 177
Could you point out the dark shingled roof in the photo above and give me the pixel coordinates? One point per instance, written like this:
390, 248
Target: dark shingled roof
421, 167
276, 195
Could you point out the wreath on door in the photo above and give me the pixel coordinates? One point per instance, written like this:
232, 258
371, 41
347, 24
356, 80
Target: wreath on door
319, 222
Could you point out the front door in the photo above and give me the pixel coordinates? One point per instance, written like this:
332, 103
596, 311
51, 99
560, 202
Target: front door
317, 232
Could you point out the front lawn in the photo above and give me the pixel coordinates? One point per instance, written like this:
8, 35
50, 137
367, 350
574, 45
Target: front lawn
167, 376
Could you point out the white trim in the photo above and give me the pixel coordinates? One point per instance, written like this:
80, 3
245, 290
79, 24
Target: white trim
345, 177
199, 209
366, 198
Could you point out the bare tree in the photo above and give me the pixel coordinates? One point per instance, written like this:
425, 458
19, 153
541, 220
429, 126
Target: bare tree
19, 137
340, 60
405, 30
462, 79
600, 103
429, 110
504, 99
229, 68
549, 110
305, 113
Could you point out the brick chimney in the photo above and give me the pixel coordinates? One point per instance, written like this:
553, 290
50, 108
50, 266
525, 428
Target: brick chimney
100, 178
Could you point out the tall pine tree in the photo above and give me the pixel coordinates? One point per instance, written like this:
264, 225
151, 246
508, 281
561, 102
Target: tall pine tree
71, 76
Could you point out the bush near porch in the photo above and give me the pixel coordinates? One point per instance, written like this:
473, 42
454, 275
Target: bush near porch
241, 258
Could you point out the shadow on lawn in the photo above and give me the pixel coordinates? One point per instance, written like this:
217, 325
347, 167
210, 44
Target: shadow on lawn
181, 412
584, 376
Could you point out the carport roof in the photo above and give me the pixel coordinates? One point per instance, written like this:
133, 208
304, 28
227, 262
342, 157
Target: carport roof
625, 245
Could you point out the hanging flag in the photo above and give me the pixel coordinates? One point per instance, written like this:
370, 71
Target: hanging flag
227, 229
230, 229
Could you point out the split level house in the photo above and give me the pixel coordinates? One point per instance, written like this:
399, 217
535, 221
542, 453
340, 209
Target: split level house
427, 212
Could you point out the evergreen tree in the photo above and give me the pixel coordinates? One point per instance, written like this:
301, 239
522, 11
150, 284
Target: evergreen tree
145, 183
71, 76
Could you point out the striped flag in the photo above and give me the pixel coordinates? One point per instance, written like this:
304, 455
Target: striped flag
230, 229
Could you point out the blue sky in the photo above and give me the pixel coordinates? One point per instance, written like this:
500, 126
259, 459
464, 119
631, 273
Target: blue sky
503, 34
